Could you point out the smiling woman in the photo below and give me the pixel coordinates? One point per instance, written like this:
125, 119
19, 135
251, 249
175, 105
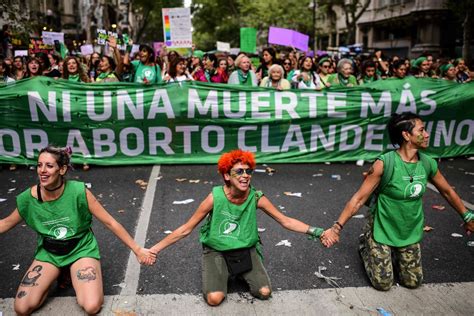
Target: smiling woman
60, 211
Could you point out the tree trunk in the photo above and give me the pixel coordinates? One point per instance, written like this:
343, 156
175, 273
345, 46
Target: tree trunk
466, 36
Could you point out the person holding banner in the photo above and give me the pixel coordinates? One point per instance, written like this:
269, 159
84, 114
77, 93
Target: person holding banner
33, 68
343, 76
4, 74
177, 71
73, 70
306, 77
145, 70
221, 75
243, 76
276, 79
268, 59
323, 70
395, 185
60, 211
106, 67
229, 236
18, 71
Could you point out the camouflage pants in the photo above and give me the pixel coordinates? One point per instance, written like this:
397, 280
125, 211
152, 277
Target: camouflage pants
378, 262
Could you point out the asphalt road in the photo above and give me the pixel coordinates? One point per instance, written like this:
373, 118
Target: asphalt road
178, 270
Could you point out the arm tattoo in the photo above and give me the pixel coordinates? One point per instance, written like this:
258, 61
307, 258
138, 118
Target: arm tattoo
87, 274
21, 294
32, 276
371, 170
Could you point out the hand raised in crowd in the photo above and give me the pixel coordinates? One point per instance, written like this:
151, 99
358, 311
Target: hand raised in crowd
112, 42
146, 257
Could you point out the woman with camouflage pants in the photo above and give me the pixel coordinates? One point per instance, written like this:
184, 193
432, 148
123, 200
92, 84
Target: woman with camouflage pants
396, 220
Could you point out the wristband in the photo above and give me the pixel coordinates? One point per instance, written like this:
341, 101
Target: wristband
314, 232
468, 216
339, 224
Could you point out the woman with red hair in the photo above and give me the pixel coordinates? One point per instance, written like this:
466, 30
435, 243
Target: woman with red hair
231, 244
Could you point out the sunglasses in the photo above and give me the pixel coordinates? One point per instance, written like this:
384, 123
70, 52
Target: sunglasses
241, 171
286, 63
324, 66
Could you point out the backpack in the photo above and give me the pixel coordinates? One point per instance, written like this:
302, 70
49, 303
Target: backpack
388, 167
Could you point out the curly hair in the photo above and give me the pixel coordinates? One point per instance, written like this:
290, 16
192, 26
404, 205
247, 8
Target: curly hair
229, 159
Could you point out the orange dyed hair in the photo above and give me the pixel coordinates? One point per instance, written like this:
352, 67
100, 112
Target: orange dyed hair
229, 159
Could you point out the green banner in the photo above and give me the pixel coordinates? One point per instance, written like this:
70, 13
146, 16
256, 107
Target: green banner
182, 123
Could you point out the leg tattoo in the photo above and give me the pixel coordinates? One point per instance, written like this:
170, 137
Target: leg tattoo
87, 274
21, 294
32, 276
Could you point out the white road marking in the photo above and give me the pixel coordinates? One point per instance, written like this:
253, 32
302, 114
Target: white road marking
132, 274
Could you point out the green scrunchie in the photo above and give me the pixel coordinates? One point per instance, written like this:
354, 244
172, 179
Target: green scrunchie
468, 216
314, 232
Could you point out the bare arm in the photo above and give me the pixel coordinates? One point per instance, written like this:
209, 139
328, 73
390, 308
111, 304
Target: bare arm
285, 221
10, 221
451, 196
372, 180
143, 255
185, 229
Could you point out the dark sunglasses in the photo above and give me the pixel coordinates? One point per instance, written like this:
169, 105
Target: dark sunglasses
241, 171
286, 63
324, 66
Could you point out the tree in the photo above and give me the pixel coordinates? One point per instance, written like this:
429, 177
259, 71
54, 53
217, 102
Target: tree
353, 10
150, 20
464, 11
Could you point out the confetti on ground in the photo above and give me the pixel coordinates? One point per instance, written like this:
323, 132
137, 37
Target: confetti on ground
470, 243
3, 200
261, 230
167, 232
11, 190
88, 185
159, 178
181, 179
469, 173
329, 280
16, 266
194, 181
438, 207
317, 175
360, 162
121, 211
336, 176
260, 170
284, 242
327, 163
183, 201
141, 182
121, 285
358, 216
270, 171
297, 194
456, 235
347, 267
383, 312
427, 228
281, 207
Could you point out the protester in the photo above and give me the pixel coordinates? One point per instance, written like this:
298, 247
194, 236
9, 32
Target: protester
204, 74
306, 77
48, 71
18, 70
221, 75
276, 79
233, 248
447, 71
144, 70
5, 38
396, 220
33, 68
243, 75
106, 67
60, 211
368, 73
288, 68
231, 63
462, 74
344, 76
177, 71
93, 66
196, 63
323, 70
399, 69
73, 70
4, 74
421, 68
268, 59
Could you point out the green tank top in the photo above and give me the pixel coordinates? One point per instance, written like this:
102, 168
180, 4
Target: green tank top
64, 218
230, 226
399, 218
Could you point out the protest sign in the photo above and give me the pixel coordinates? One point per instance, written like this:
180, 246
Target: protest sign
177, 27
157, 47
223, 46
37, 45
87, 49
287, 37
248, 40
103, 37
195, 122
50, 37
22, 52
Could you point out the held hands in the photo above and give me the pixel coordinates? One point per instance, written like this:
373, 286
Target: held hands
146, 256
468, 218
331, 236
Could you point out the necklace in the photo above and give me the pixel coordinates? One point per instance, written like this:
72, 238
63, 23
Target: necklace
54, 189
406, 169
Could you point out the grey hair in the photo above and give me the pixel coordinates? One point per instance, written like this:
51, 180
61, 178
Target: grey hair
342, 62
277, 67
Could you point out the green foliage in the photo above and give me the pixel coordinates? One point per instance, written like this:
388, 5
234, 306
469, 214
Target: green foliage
150, 27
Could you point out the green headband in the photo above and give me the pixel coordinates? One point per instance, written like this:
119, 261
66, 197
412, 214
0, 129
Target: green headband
444, 68
323, 60
418, 61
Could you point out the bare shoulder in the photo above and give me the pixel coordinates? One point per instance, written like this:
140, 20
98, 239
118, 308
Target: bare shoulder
34, 191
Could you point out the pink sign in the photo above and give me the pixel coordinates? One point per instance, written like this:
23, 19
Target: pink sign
157, 47
287, 37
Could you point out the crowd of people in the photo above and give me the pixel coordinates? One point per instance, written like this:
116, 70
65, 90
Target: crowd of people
272, 69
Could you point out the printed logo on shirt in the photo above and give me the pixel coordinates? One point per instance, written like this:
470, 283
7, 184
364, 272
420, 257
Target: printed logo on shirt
59, 229
229, 228
414, 190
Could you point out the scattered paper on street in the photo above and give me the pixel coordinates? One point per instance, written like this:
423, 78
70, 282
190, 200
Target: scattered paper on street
194, 181
456, 235
284, 242
317, 175
329, 280
181, 179
336, 176
16, 266
297, 194
167, 232
183, 201
260, 170
120, 285
427, 228
438, 207
2, 200
358, 216
261, 230
88, 185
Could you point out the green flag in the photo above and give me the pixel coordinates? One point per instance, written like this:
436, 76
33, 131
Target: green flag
248, 40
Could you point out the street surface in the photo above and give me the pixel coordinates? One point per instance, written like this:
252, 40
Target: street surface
446, 259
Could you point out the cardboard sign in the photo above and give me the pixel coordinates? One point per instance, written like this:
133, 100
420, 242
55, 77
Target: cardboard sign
87, 49
50, 37
223, 46
287, 37
177, 27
